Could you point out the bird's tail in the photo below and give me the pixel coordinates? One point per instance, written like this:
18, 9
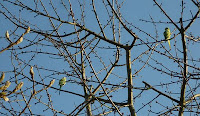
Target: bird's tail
59, 90
169, 44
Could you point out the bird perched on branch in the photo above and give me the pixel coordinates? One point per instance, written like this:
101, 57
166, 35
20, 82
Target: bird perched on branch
167, 35
62, 82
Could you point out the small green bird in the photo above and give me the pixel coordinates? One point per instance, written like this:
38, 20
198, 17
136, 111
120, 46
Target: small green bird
167, 35
62, 82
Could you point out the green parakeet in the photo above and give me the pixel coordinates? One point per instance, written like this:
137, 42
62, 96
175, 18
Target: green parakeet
62, 82
167, 35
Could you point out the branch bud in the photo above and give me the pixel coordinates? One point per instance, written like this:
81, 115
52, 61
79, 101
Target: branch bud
7, 35
28, 30
4, 87
31, 72
5, 98
3, 95
2, 77
19, 40
51, 83
19, 86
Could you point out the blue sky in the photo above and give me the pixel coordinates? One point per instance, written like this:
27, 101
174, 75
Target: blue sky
133, 12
